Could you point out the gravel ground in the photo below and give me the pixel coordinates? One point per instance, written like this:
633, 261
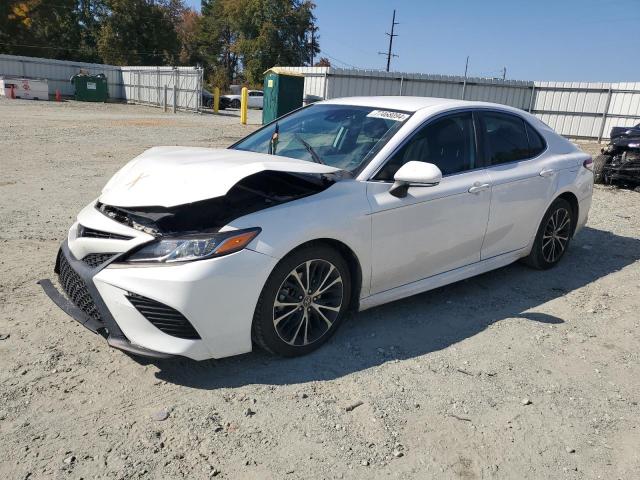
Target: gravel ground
513, 374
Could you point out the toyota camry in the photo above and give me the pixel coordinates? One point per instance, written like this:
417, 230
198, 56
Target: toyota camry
334, 208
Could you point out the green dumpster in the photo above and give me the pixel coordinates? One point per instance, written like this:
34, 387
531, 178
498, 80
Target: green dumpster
283, 92
90, 88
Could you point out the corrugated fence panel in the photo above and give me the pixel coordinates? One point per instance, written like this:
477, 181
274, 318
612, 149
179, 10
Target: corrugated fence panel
329, 82
574, 109
146, 85
59, 72
133, 84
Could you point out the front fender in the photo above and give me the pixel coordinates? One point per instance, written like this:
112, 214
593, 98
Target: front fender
339, 213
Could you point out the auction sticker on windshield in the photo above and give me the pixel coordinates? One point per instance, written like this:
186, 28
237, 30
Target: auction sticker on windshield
389, 115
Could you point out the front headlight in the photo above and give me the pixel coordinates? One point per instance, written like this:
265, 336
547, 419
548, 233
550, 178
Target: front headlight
193, 247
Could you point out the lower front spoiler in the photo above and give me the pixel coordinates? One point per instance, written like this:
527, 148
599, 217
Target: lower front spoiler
96, 327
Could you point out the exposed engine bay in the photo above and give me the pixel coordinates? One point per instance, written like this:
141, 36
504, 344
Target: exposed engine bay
256, 192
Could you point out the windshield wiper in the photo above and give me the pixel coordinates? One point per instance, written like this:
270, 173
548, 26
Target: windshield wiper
309, 148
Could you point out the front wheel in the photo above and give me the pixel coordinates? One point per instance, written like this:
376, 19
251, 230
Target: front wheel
235, 103
303, 301
553, 236
598, 168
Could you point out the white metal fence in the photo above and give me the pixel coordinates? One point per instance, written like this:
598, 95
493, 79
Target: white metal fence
573, 109
160, 86
586, 110
144, 85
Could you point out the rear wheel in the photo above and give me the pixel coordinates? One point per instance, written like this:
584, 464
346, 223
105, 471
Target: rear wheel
235, 103
303, 302
598, 167
553, 237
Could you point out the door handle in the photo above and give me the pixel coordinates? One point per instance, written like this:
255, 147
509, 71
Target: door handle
547, 172
479, 187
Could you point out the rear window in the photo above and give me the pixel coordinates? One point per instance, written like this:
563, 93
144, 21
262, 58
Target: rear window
536, 143
509, 138
505, 138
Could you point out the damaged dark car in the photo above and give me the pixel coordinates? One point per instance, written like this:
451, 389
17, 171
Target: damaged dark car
619, 162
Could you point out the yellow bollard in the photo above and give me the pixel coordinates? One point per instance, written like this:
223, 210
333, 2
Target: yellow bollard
244, 105
216, 99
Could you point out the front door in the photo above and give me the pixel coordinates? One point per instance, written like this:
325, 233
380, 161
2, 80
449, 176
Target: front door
433, 229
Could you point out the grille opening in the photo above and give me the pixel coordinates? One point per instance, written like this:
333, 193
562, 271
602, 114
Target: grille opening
87, 232
96, 259
163, 317
76, 289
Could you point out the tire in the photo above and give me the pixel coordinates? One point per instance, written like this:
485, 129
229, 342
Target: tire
545, 255
235, 103
598, 166
306, 321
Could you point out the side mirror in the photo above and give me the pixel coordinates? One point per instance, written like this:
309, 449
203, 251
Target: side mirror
415, 174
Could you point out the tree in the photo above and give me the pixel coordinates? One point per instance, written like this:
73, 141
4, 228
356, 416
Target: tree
42, 28
90, 15
217, 39
257, 34
137, 32
274, 33
235, 40
323, 62
188, 29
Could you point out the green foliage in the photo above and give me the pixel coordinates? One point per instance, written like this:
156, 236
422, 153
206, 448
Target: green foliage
137, 32
257, 34
235, 40
43, 28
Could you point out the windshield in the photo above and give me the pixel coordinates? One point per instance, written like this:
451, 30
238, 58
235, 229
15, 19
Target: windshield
341, 136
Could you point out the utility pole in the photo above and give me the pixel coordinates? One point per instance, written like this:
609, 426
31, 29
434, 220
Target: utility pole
389, 53
504, 73
313, 43
464, 83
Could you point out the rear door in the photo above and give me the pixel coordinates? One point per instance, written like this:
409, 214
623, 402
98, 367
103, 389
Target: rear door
522, 178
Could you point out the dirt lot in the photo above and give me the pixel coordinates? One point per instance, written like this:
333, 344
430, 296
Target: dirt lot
514, 374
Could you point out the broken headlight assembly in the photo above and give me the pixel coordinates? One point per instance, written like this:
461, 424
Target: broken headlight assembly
193, 247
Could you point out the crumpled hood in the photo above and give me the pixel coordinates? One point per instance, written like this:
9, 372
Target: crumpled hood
170, 176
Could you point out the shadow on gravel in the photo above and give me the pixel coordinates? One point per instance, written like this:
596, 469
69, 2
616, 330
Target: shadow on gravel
423, 323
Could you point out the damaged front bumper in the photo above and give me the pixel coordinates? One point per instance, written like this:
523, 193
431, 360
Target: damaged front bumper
628, 172
201, 309
90, 312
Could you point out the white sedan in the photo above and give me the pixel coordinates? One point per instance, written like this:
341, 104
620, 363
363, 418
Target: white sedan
255, 100
339, 206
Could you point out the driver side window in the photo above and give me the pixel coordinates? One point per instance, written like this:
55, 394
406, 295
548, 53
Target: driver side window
447, 142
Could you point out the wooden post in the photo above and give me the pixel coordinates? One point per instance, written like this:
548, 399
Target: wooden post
216, 99
244, 105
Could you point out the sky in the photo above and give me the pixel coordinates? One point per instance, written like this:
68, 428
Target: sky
562, 40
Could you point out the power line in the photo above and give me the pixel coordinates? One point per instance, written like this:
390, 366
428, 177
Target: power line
324, 52
151, 54
389, 53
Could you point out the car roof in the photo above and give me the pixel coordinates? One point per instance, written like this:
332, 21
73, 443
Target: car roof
412, 104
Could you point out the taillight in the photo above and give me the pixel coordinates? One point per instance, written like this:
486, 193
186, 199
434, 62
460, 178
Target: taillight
588, 164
